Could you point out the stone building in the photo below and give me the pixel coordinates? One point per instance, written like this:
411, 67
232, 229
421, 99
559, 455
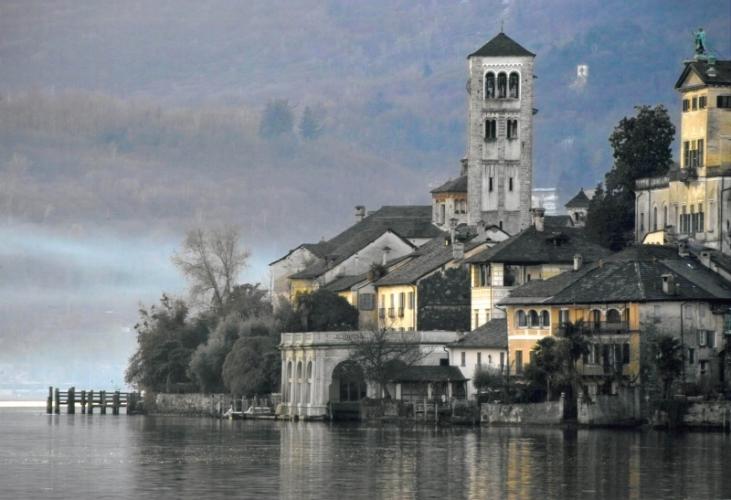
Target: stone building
500, 134
693, 201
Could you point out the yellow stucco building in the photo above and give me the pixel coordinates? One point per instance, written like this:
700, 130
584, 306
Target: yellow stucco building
693, 201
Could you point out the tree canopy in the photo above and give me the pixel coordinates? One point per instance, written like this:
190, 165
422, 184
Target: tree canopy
323, 311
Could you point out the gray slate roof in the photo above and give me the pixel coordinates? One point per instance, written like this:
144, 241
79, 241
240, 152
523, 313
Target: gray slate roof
426, 259
458, 185
493, 334
501, 45
555, 244
578, 201
627, 277
430, 374
409, 221
723, 73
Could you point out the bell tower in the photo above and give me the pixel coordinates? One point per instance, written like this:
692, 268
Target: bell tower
500, 134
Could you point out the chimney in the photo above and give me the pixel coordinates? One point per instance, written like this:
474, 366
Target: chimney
538, 214
668, 284
457, 250
578, 261
705, 258
386, 251
360, 213
683, 249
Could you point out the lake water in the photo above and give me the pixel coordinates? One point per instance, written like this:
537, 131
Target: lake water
103, 456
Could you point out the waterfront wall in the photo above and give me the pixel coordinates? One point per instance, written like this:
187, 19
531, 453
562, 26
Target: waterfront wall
622, 409
548, 413
698, 415
194, 404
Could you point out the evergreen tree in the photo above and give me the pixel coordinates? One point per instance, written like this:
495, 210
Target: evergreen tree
277, 119
310, 127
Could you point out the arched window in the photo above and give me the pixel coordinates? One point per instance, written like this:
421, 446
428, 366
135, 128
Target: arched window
654, 218
614, 316
490, 129
596, 318
664, 216
511, 129
521, 319
288, 383
545, 319
533, 320
308, 391
502, 86
490, 86
514, 85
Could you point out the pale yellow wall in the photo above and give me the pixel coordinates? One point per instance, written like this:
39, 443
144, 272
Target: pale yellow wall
350, 296
299, 286
711, 124
394, 321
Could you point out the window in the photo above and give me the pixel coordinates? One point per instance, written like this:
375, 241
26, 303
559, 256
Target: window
694, 104
464, 359
596, 318
520, 318
490, 86
702, 102
411, 300
699, 153
625, 353
518, 361
489, 359
665, 216
487, 315
442, 213
563, 316
701, 221
691, 356
490, 130
510, 184
514, 85
613, 316
532, 357
545, 319
702, 337
686, 105
654, 218
489, 184
512, 129
711, 339
483, 275
479, 358
723, 101
642, 222
533, 321
502, 86
502, 361
477, 318
686, 153
365, 301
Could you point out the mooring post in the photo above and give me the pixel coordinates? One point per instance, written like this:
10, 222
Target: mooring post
115, 403
49, 401
71, 401
130, 402
57, 397
91, 403
103, 402
83, 401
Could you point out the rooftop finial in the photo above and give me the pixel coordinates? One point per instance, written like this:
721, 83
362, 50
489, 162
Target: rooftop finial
700, 42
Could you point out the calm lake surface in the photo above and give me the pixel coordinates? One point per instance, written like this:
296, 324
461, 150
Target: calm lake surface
103, 456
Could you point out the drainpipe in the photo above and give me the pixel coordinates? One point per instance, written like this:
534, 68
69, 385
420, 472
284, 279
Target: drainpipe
720, 209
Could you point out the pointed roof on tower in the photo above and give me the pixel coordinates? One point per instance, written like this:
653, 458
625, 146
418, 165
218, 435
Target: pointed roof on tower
501, 45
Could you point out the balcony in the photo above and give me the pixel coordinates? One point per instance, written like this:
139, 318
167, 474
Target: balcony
382, 313
400, 312
391, 312
600, 328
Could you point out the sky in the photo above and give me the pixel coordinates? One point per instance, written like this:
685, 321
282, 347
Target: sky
124, 124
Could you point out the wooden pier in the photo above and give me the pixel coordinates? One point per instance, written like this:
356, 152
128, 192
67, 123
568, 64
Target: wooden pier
89, 400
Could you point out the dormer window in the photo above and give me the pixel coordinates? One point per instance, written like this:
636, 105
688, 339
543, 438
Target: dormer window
490, 85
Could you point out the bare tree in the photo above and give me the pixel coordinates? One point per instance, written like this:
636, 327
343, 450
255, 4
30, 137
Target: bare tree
382, 354
212, 260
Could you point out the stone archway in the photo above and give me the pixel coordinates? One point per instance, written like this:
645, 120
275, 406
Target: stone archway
348, 382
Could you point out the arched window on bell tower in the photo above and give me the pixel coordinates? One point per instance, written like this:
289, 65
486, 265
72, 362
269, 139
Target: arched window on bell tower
502, 86
490, 85
514, 85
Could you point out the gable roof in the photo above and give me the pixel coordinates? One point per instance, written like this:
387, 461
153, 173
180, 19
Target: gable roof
493, 334
434, 373
316, 249
578, 201
555, 244
426, 259
501, 45
407, 221
700, 68
458, 185
343, 283
626, 278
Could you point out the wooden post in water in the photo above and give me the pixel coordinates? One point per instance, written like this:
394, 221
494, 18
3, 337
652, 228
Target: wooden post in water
115, 403
57, 398
83, 402
103, 402
71, 401
49, 401
91, 403
131, 403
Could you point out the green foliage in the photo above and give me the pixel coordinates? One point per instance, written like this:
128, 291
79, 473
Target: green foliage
248, 301
444, 301
253, 365
310, 125
641, 148
166, 340
484, 380
277, 119
323, 311
668, 361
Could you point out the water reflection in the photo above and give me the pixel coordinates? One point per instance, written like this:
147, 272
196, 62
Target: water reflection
167, 457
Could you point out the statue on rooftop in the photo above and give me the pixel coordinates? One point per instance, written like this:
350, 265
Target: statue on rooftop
700, 42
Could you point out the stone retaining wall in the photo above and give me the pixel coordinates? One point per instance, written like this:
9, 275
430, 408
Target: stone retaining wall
622, 409
548, 413
187, 404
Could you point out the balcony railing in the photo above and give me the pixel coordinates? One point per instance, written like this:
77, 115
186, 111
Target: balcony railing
382, 312
391, 312
400, 312
600, 327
